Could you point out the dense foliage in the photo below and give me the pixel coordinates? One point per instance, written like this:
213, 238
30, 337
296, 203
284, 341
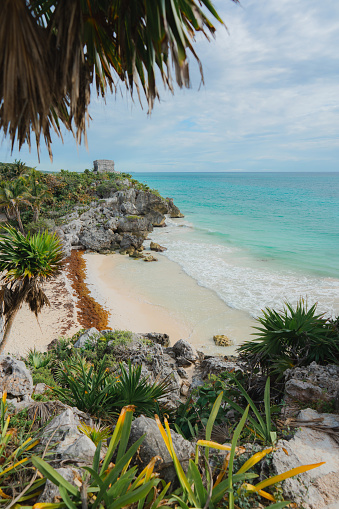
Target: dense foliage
295, 336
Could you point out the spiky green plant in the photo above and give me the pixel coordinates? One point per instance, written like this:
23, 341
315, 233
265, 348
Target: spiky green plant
37, 359
96, 433
109, 486
295, 335
26, 263
195, 493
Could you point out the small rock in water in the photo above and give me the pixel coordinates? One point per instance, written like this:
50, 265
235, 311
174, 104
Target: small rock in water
222, 340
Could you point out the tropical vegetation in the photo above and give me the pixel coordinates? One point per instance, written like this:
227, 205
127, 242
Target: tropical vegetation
25, 264
61, 48
295, 336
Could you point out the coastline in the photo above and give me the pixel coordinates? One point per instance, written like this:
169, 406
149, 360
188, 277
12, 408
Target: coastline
161, 297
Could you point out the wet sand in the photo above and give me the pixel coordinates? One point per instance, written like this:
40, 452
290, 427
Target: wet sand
160, 297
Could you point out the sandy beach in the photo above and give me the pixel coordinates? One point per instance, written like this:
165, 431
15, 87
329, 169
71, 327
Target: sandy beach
60, 319
160, 297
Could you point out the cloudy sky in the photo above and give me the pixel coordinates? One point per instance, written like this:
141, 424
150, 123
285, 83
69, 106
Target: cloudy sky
270, 102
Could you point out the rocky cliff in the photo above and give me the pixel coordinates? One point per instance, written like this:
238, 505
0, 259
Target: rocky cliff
120, 221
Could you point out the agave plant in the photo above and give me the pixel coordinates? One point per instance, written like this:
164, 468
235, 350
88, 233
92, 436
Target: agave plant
37, 359
197, 494
296, 336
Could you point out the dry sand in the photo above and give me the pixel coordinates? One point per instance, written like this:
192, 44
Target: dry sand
57, 320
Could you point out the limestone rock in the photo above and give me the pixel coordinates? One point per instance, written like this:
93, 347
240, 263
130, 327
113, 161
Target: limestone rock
150, 258
40, 388
51, 492
69, 443
303, 391
89, 336
153, 445
182, 348
182, 373
217, 365
222, 340
156, 247
14, 377
134, 224
96, 239
156, 337
326, 378
317, 488
156, 218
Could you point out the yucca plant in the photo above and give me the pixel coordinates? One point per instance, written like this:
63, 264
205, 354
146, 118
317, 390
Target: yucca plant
25, 263
83, 386
297, 335
196, 494
106, 485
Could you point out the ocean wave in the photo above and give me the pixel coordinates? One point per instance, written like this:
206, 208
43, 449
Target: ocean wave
247, 284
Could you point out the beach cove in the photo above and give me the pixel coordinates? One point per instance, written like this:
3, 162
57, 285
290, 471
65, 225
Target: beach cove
160, 297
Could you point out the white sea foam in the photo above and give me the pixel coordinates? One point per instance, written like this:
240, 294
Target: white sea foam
241, 281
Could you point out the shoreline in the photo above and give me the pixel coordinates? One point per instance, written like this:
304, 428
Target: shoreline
161, 297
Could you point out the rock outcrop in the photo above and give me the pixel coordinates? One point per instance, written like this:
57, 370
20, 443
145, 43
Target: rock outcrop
154, 445
312, 443
121, 220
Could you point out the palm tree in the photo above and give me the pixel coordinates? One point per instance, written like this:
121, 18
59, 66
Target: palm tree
25, 263
37, 192
52, 52
12, 198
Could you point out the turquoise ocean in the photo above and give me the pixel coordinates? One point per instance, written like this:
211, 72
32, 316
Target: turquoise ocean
256, 239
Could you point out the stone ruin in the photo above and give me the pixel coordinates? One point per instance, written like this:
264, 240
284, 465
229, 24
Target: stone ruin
104, 166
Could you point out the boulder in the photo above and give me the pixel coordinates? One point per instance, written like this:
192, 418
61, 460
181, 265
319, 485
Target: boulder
134, 224
324, 378
156, 218
129, 240
156, 247
222, 340
69, 443
297, 390
89, 336
182, 348
15, 378
217, 365
317, 488
153, 445
150, 258
96, 239
156, 337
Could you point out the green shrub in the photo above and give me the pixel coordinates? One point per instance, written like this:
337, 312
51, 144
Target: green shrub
40, 226
99, 392
294, 336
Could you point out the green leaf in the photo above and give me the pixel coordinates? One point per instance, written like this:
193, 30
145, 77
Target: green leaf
211, 420
53, 475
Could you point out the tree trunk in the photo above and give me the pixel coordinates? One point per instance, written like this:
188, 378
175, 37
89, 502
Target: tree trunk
7, 331
18, 218
36, 214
